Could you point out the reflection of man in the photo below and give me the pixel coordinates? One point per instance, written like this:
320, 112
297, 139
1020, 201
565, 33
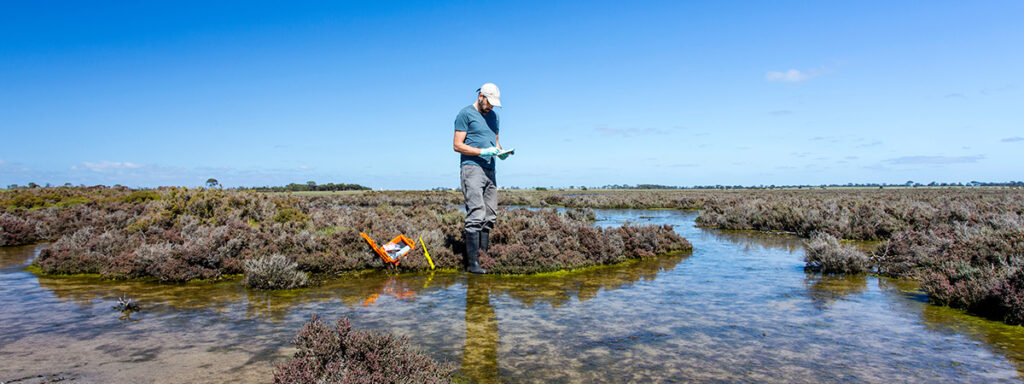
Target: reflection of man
476, 138
480, 355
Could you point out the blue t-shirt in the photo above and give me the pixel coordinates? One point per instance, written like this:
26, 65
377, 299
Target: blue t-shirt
481, 132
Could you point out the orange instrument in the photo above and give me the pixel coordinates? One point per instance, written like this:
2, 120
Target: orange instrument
394, 250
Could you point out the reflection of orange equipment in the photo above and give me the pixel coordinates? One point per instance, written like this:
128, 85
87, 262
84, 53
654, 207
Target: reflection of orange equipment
394, 250
394, 288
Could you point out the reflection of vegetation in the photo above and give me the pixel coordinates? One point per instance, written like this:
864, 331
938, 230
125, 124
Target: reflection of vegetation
1003, 339
757, 240
826, 289
357, 289
83, 290
559, 288
14, 257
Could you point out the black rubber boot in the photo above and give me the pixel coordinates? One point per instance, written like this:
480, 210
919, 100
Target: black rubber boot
485, 240
473, 253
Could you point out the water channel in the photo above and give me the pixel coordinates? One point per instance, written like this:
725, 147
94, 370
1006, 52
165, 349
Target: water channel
738, 308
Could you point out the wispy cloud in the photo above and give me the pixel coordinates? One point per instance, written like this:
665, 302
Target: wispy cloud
858, 142
780, 112
9, 167
999, 89
1012, 139
792, 75
105, 166
935, 160
874, 143
128, 173
628, 132
955, 96
831, 139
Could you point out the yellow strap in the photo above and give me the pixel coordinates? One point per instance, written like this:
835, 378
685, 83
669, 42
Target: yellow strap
426, 254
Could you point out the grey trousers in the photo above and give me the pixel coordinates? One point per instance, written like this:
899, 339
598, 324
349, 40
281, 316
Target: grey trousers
481, 192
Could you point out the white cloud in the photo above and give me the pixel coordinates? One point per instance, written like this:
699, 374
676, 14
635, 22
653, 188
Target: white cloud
1005, 140
105, 166
792, 75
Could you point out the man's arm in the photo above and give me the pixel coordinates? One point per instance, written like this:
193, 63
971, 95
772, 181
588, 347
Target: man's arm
497, 142
460, 145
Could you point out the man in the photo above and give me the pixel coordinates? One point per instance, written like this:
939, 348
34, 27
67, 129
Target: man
476, 139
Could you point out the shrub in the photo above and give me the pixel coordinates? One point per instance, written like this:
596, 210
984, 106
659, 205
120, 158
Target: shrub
141, 196
273, 272
1010, 296
824, 253
525, 241
285, 215
975, 265
15, 230
200, 234
341, 354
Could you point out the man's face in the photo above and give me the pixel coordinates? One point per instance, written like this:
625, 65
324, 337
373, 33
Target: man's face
485, 106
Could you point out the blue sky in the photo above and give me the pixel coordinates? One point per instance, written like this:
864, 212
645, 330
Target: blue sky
595, 93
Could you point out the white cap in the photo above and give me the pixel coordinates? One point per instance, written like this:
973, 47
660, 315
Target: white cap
491, 92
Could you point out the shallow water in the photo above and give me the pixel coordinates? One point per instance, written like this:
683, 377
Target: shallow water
738, 308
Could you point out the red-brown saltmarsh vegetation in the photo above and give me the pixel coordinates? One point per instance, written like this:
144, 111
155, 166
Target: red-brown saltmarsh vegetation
177, 234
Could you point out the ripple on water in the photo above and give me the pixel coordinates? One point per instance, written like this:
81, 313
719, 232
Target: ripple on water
738, 308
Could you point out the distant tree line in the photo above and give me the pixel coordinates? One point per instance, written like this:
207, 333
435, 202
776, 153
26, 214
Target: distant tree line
311, 186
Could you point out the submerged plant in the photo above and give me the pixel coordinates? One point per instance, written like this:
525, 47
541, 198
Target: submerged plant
126, 304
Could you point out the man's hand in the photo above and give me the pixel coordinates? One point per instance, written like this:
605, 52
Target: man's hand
488, 152
504, 156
